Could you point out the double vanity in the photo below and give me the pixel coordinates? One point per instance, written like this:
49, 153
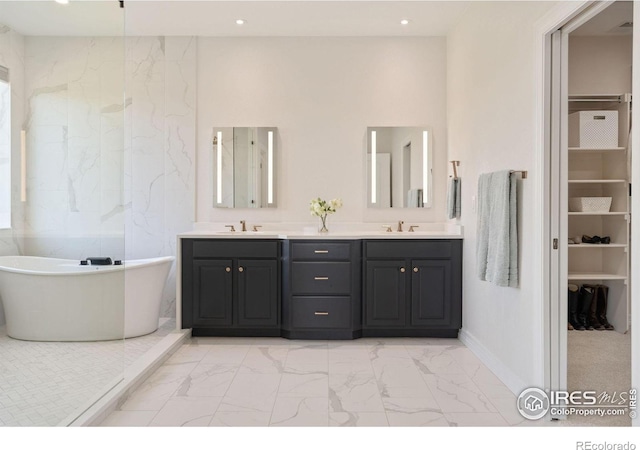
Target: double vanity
320, 286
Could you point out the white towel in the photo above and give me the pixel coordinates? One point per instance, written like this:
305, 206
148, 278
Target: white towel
497, 239
453, 198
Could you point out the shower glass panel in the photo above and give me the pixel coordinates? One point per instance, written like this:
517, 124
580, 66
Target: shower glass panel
67, 113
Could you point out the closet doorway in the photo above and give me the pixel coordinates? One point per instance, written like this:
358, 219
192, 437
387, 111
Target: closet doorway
590, 189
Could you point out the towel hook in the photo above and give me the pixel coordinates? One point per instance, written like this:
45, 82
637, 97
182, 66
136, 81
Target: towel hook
455, 171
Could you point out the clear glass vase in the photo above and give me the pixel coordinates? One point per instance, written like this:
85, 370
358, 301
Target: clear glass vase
323, 224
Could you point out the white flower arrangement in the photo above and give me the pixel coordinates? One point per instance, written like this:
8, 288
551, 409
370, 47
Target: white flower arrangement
321, 208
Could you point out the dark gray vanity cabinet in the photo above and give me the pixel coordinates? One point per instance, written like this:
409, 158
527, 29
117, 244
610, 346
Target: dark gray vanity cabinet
412, 287
231, 287
321, 289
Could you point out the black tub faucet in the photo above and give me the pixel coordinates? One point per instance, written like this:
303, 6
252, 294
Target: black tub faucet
100, 261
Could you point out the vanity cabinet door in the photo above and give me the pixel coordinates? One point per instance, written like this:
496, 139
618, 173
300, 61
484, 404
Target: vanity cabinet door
385, 293
430, 292
257, 293
213, 292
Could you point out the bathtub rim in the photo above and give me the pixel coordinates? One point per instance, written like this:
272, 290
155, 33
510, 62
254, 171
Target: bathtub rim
84, 270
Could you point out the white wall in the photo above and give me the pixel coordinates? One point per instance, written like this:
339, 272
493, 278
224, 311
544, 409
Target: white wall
599, 65
12, 56
491, 106
322, 94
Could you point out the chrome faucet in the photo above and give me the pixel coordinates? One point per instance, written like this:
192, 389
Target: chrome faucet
244, 225
400, 222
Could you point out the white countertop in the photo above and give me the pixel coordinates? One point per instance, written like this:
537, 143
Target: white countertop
211, 234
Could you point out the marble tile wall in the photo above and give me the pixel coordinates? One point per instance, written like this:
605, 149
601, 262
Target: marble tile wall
110, 174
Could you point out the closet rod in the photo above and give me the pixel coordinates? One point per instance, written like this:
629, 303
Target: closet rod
523, 172
599, 98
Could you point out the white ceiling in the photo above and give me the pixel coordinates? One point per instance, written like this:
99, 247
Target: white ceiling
608, 22
263, 18
217, 18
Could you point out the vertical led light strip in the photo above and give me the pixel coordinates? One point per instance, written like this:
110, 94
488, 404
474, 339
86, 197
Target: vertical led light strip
374, 165
270, 167
425, 164
23, 166
219, 167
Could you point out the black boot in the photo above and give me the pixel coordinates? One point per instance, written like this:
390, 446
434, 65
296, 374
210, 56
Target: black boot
573, 307
585, 298
592, 318
601, 306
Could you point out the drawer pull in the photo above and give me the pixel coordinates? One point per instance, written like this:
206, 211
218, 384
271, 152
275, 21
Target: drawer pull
321, 313
240, 269
227, 269
321, 251
402, 269
320, 278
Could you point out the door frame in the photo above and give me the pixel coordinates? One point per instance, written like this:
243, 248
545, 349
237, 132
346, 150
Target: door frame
551, 196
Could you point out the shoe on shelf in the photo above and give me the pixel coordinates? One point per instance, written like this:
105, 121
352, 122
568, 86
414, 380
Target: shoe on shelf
605, 240
590, 239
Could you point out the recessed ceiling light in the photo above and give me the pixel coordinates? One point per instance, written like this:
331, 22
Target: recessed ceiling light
62, 2
404, 22
239, 21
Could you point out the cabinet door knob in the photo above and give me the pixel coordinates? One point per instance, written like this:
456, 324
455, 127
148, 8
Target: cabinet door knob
240, 269
227, 269
415, 269
402, 269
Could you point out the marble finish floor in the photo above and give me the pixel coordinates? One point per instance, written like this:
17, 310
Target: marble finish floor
43, 383
278, 382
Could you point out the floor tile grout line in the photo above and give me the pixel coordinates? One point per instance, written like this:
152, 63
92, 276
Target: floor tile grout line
278, 390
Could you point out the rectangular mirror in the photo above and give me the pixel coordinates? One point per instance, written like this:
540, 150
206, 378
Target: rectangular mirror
398, 167
243, 171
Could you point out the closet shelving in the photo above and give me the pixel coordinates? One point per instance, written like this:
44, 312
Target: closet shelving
602, 172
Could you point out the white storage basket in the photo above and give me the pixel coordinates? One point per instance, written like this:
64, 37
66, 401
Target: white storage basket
593, 129
589, 204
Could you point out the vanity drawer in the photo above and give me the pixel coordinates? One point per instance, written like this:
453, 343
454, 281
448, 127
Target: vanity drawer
321, 312
321, 251
234, 248
321, 278
409, 248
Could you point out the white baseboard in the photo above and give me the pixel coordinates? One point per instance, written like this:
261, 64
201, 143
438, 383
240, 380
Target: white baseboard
493, 363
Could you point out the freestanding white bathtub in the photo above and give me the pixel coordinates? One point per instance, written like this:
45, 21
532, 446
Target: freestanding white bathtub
49, 299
